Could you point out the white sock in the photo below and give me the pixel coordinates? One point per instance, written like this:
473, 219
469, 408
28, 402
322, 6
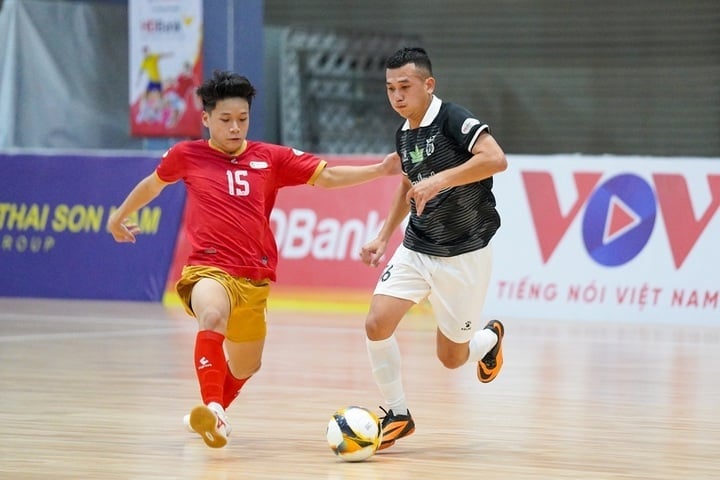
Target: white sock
482, 342
386, 368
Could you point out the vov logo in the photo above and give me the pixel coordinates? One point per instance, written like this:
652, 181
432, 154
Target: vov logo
619, 213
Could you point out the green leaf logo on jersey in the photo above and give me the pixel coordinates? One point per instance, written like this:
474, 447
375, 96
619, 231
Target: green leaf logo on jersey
416, 156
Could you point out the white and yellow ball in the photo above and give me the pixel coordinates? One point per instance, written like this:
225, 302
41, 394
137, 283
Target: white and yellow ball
354, 433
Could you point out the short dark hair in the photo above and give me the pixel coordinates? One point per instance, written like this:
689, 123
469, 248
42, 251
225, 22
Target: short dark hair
416, 55
224, 85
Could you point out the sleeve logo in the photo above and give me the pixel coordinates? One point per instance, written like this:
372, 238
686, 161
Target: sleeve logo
468, 124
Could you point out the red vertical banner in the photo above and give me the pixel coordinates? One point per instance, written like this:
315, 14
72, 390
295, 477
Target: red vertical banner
165, 55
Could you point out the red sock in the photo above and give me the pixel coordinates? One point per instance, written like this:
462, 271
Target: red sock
210, 365
232, 388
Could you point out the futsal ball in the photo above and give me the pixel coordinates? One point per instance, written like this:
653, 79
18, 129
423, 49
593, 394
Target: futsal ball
354, 433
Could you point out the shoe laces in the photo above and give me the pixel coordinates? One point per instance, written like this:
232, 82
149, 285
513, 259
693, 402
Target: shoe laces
221, 418
221, 423
391, 416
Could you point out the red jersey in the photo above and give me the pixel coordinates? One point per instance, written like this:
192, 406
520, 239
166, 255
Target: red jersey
230, 198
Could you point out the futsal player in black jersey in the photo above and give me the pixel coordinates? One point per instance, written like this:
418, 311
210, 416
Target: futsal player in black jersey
448, 159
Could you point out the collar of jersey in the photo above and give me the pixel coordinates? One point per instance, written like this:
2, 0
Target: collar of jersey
430, 114
236, 153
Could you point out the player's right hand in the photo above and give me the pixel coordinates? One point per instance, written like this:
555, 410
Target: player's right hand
392, 165
372, 252
123, 232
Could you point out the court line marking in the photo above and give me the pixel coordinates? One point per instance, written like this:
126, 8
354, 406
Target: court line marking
84, 335
152, 322
80, 318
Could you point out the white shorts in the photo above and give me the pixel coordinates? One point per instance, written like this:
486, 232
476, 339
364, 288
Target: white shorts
455, 286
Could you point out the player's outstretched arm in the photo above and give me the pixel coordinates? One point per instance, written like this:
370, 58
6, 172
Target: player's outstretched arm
372, 252
144, 192
347, 175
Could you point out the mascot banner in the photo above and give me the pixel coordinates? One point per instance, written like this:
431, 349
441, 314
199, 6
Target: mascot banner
165, 54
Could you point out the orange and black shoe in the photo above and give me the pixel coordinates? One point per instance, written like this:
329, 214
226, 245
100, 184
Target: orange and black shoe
395, 427
492, 362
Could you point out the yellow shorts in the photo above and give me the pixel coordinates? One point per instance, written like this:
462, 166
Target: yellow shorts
248, 300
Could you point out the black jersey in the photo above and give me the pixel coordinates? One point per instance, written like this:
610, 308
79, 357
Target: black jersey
459, 219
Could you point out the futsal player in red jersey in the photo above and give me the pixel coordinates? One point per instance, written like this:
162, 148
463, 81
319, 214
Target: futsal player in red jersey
231, 184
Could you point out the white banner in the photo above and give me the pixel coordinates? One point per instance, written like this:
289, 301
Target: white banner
608, 238
165, 55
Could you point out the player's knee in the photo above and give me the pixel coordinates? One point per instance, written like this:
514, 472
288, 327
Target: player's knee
211, 319
372, 326
375, 329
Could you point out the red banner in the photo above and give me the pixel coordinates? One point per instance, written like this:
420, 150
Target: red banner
320, 232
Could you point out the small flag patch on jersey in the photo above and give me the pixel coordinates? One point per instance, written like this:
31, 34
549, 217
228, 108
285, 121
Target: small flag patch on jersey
468, 124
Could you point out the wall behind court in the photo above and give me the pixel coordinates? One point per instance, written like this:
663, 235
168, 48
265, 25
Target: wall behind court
554, 76
618, 77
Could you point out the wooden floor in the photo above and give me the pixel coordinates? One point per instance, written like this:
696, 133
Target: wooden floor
92, 390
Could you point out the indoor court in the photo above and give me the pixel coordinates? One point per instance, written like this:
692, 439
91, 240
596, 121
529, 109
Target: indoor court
605, 254
97, 390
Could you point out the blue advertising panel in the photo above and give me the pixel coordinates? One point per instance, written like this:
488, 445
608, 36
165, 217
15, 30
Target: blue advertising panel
53, 239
